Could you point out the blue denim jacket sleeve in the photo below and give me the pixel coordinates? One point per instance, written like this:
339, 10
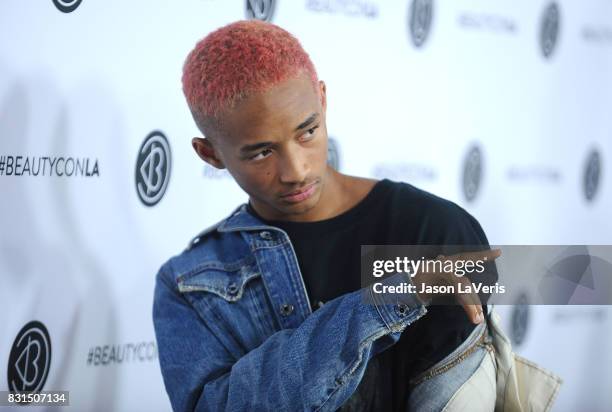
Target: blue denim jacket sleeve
314, 367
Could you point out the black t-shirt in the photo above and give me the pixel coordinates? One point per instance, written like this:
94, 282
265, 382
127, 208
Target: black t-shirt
329, 251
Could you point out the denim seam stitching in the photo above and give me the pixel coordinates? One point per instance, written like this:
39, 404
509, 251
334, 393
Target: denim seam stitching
220, 322
294, 286
552, 398
344, 376
219, 291
270, 299
443, 368
542, 370
379, 310
418, 312
235, 266
260, 314
506, 386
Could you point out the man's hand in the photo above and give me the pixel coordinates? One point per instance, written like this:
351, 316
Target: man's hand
470, 301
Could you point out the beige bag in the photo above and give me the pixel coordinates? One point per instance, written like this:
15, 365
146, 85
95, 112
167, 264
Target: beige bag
522, 386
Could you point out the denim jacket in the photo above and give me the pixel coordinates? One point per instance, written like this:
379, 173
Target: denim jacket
235, 330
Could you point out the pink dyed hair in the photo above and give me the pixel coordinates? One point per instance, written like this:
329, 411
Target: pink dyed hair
237, 60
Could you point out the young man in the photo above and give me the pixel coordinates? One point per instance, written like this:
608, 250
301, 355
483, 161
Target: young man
264, 310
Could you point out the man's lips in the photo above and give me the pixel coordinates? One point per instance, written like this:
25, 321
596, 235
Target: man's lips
302, 194
302, 190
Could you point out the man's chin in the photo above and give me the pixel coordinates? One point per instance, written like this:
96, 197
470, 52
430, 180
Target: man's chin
300, 208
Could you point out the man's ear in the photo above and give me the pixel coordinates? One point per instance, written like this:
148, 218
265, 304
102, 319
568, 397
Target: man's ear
323, 95
205, 149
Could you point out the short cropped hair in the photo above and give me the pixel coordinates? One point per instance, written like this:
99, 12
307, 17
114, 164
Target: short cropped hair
237, 60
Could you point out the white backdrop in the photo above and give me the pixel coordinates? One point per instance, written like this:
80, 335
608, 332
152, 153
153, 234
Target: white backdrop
502, 106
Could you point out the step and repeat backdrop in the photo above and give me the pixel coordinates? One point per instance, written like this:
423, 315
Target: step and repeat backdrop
503, 106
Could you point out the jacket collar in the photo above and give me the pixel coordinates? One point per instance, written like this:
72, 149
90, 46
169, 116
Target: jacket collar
242, 219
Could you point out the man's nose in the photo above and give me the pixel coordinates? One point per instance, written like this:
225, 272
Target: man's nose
293, 167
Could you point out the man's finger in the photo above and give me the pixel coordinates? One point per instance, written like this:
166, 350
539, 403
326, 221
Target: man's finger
470, 301
472, 311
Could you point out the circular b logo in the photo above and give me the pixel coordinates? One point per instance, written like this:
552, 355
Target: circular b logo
333, 155
549, 30
67, 6
153, 168
520, 320
472, 173
260, 9
592, 174
421, 12
30, 359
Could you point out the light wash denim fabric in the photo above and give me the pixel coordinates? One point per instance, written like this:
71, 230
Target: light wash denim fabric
462, 381
235, 330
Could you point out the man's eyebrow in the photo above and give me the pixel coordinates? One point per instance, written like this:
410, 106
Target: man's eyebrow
307, 122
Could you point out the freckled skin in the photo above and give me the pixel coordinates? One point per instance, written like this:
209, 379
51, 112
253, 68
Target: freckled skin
295, 159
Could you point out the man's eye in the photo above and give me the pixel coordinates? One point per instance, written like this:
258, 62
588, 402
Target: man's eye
261, 155
310, 132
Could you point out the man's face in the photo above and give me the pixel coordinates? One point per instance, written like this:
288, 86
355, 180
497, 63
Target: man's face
275, 144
